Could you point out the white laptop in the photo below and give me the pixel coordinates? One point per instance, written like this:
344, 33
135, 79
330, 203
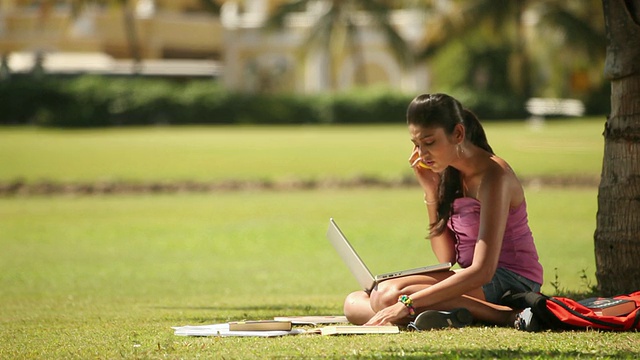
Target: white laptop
357, 267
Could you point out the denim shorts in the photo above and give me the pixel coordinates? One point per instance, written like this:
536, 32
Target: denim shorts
506, 280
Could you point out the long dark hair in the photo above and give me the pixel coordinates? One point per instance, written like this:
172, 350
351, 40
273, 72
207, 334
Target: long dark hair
441, 110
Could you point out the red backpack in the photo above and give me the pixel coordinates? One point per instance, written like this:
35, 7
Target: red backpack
561, 313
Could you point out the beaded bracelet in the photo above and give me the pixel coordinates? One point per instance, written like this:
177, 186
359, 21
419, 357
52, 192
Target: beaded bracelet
408, 302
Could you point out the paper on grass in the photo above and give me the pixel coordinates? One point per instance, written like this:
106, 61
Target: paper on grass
223, 330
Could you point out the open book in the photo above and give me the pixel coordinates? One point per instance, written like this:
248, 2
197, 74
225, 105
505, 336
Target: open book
354, 329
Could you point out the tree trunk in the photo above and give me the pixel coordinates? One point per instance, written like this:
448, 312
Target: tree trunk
617, 236
132, 36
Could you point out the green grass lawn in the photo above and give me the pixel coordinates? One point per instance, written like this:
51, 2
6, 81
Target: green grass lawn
107, 276
569, 147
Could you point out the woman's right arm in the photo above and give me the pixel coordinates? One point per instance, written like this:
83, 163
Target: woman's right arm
442, 245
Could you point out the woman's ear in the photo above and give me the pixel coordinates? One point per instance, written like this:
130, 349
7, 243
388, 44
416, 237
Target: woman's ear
459, 133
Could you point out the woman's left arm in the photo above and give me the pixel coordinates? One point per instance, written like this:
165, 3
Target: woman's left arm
495, 194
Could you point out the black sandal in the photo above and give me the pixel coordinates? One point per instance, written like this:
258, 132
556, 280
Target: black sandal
434, 319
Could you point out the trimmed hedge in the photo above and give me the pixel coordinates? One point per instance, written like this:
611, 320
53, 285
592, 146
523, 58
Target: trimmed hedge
92, 101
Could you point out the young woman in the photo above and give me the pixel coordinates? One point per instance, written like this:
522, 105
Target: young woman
478, 218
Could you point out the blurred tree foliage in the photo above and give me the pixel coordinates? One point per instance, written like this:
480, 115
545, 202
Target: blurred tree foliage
485, 51
337, 31
518, 49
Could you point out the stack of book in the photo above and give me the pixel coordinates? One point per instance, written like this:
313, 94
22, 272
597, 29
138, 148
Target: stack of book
609, 306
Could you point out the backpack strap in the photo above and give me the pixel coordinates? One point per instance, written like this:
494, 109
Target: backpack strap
636, 321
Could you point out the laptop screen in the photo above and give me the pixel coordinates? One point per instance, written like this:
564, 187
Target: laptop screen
350, 257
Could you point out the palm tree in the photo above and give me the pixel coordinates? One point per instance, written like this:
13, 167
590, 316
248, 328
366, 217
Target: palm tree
132, 35
572, 36
338, 31
517, 30
617, 236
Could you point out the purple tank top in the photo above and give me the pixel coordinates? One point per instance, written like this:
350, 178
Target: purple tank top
518, 252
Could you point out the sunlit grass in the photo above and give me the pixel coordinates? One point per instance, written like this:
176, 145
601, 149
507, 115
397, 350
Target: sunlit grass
110, 236
569, 147
107, 276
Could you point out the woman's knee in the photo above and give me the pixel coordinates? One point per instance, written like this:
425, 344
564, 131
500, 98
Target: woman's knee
352, 300
387, 293
357, 308
384, 295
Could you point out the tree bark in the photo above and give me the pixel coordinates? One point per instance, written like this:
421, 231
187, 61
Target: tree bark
617, 236
132, 36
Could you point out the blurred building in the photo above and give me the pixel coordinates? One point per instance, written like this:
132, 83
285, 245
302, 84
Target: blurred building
165, 28
187, 38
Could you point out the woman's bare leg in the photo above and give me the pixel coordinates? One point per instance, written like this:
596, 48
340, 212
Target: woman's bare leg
387, 292
357, 308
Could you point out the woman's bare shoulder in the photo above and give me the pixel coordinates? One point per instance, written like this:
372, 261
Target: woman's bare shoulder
500, 175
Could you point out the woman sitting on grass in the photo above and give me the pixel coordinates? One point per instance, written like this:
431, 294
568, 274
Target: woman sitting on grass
478, 218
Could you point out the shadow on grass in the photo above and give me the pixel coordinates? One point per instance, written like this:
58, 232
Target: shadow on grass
298, 309
219, 314
503, 354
